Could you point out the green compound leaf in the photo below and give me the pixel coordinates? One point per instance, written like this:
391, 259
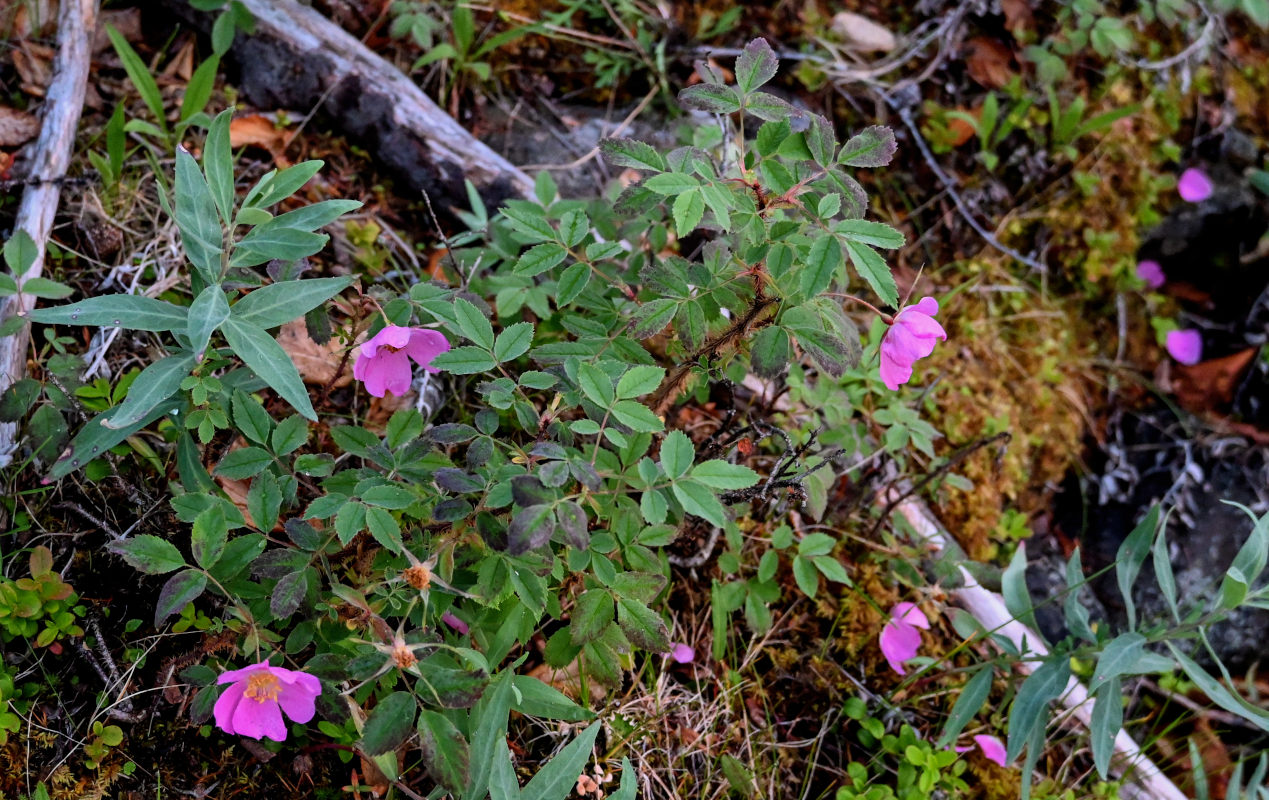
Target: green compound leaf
718, 474
150, 554
390, 723
513, 342
677, 454
872, 268
711, 98
875, 234
632, 153
697, 498
689, 208
822, 263
872, 147
180, 589
756, 65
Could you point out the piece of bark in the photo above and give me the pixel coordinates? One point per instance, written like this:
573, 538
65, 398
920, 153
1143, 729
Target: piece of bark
48, 163
296, 58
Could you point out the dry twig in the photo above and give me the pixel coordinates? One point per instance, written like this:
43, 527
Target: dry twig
49, 162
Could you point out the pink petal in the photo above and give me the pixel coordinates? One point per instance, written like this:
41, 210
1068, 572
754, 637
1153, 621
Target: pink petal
682, 653
234, 675
1194, 185
388, 372
454, 622
225, 706
256, 719
927, 306
923, 326
302, 680
910, 614
965, 749
1185, 346
391, 336
425, 345
913, 335
894, 373
899, 643
903, 339
1151, 273
298, 702
993, 749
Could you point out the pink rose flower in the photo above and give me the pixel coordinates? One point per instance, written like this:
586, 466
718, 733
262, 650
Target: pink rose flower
993, 749
900, 639
1194, 186
383, 363
1185, 346
682, 653
1151, 273
912, 335
253, 705
454, 622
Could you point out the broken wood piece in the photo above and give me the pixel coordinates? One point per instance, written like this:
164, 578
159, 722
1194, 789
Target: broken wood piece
47, 165
298, 59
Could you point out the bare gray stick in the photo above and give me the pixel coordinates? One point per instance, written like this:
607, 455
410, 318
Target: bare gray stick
64, 99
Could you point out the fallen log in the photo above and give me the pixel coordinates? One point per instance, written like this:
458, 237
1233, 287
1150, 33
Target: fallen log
298, 59
47, 165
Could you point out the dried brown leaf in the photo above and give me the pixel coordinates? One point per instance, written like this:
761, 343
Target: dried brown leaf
990, 62
17, 127
319, 364
256, 130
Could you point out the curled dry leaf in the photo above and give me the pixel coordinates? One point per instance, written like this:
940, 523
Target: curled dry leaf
33, 63
257, 130
990, 63
862, 34
319, 364
1210, 385
17, 127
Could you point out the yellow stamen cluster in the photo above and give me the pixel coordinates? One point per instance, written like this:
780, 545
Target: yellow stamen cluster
262, 686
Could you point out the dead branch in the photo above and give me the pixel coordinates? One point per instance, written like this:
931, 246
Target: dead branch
296, 58
49, 161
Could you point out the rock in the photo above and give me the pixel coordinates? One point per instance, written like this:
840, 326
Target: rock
862, 34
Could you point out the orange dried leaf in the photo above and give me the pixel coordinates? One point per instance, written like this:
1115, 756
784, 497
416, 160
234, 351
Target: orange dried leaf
989, 62
318, 364
1210, 385
256, 130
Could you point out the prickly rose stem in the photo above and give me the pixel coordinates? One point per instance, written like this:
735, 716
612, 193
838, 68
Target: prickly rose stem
887, 318
673, 382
